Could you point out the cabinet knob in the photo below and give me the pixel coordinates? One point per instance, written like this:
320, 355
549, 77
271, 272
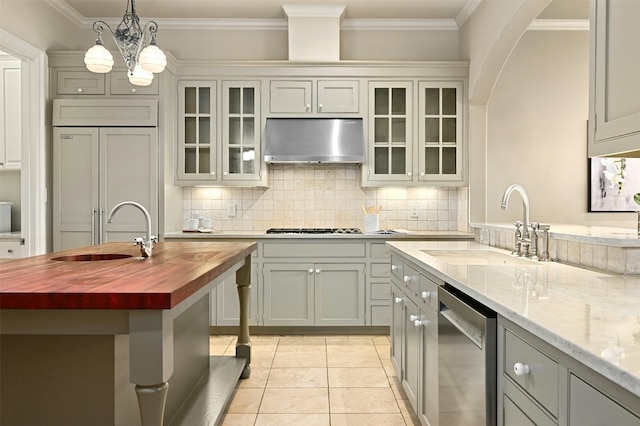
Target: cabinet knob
419, 323
413, 317
409, 174
394, 267
407, 279
422, 174
398, 299
308, 106
9, 250
225, 173
133, 90
311, 270
320, 107
426, 295
80, 90
212, 173
317, 271
521, 369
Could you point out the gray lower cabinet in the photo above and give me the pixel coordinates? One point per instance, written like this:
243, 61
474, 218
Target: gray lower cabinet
307, 294
540, 385
414, 337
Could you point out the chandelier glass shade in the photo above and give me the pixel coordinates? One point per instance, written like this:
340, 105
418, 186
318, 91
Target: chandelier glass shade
136, 44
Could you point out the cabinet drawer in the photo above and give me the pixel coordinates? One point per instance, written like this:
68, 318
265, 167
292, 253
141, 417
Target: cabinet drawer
119, 85
397, 267
588, 406
380, 270
381, 291
429, 292
289, 250
411, 279
10, 250
541, 380
380, 251
80, 83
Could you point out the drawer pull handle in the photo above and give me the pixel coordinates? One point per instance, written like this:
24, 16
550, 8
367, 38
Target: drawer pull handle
407, 279
426, 295
521, 369
413, 318
398, 299
394, 267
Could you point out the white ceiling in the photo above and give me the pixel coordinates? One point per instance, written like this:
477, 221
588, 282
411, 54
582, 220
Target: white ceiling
456, 10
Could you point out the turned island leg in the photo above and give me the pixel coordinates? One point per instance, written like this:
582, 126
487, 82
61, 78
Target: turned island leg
243, 347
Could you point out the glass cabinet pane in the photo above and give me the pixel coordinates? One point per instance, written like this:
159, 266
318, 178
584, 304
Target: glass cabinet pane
449, 101
381, 161
248, 105
204, 101
190, 135
381, 129
204, 136
431, 130
398, 161
449, 130
204, 160
398, 101
234, 130
381, 96
190, 157
449, 161
399, 129
234, 100
248, 131
432, 161
235, 161
432, 101
248, 160
190, 100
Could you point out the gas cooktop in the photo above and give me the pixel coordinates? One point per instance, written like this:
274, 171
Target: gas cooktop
314, 231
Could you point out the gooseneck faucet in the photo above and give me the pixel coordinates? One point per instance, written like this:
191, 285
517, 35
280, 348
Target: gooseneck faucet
525, 239
146, 244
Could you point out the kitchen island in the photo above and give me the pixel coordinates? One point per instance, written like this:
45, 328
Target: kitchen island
577, 328
82, 340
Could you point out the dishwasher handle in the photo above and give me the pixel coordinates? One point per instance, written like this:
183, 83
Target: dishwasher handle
464, 326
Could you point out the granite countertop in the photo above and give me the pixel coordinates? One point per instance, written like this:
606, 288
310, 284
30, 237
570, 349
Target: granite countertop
592, 316
262, 235
174, 272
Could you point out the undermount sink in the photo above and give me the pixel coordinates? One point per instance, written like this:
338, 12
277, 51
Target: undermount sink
92, 257
478, 257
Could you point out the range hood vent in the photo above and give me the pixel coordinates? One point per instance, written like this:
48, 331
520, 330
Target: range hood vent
314, 140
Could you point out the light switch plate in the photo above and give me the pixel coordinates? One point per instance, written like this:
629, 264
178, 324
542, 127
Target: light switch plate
232, 210
414, 211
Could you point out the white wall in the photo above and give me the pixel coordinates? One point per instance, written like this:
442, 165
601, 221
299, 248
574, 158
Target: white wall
536, 133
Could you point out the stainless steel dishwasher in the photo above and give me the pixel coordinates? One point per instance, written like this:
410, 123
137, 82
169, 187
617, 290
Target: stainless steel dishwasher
467, 360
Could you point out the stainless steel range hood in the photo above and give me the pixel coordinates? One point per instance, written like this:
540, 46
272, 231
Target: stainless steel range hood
314, 140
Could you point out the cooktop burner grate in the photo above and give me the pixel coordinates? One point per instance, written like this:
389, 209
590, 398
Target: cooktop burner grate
314, 231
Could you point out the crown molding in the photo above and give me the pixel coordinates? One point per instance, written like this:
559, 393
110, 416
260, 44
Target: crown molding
466, 12
399, 24
70, 13
559, 25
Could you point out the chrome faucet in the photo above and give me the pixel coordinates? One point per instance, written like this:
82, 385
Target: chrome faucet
525, 239
146, 244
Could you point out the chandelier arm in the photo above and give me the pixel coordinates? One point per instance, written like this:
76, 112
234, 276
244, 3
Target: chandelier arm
98, 27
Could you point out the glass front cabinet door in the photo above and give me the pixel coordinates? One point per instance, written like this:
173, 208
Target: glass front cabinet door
196, 131
241, 154
390, 134
440, 131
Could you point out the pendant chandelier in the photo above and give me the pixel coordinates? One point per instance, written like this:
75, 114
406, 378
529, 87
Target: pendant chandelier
137, 46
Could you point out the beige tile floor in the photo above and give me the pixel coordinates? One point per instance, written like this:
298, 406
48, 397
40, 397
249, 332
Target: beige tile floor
317, 380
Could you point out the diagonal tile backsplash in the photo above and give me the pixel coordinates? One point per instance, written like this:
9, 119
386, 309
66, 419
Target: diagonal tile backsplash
326, 196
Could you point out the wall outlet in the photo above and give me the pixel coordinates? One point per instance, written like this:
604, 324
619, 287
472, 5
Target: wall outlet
414, 211
232, 210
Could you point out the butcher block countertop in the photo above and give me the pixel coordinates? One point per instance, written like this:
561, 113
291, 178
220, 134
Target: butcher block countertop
174, 272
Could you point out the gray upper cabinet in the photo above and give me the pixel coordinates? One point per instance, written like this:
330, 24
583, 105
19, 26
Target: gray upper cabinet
197, 135
313, 96
614, 117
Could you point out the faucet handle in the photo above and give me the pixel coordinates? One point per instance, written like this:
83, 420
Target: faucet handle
544, 226
153, 239
535, 226
517, 224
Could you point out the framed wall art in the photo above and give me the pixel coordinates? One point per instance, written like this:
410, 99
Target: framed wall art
612, 184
